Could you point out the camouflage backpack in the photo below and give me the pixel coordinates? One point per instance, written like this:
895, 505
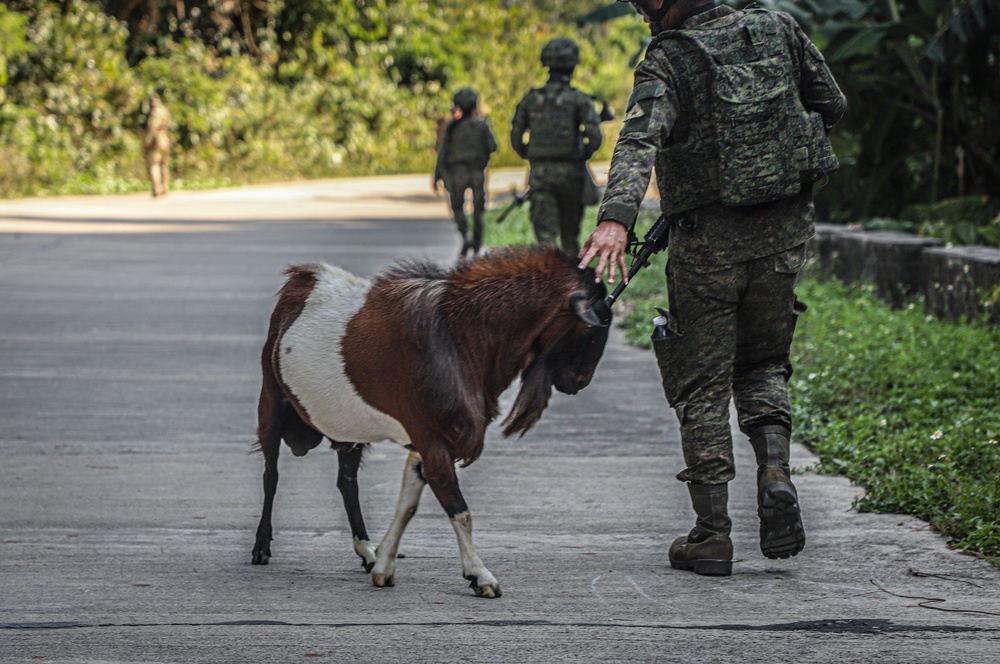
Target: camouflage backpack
763, 143
554, 125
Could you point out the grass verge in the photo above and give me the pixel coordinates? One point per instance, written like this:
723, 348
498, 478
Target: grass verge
906, 405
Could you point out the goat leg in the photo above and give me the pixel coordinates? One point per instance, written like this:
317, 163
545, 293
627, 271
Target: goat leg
349, 460
445, 487
270, 422
384, 571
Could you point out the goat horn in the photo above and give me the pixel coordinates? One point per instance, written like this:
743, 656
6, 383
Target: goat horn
581, 306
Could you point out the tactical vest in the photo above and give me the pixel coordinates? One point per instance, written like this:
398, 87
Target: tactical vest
555, 130
742, 136
466, 143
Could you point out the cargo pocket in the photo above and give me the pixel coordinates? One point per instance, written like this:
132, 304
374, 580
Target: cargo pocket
757, 160
790, 261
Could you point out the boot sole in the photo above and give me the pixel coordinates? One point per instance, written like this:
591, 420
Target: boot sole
781, 531
704, 567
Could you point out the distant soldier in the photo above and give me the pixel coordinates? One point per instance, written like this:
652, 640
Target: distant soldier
464, 153
564, 131
156, 145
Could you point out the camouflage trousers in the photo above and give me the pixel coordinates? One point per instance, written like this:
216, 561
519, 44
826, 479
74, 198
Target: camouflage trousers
158, 167
735, 325
457, 181
556, 208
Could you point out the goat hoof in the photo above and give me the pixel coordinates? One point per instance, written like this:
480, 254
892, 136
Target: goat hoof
485, 590
367, 554
383, 580
490, 591
261, 557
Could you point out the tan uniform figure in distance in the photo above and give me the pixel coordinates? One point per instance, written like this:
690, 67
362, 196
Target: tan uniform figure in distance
156, 145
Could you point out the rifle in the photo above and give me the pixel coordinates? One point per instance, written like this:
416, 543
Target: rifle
654, 242
518, 201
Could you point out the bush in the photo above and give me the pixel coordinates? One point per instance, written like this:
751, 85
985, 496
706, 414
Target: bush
354, 89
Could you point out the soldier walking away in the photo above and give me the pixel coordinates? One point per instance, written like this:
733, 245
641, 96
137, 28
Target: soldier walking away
466, 145
563, 131
156, 145
732, 108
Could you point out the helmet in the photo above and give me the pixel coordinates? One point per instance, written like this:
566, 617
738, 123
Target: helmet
466, 99
561, 53
655, 15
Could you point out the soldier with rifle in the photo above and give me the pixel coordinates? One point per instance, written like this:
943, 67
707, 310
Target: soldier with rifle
590, 196
732, 108
466, 146
563, 132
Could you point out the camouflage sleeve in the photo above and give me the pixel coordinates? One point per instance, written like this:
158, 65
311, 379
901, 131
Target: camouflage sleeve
491, 142
438, 169
442, 154
651, 113
591, 123
817, 87
518, 126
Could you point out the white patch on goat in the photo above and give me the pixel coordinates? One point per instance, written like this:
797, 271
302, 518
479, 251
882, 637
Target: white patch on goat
312, 367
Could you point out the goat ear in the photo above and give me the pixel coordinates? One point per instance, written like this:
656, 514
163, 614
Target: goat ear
580, 304
531, 401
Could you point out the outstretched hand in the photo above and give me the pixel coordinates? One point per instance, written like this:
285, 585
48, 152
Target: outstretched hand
607, 243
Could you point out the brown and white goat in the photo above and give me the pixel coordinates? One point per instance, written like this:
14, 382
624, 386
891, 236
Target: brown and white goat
420, 356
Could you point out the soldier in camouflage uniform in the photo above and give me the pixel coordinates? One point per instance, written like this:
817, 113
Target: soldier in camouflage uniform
464, 153
732, 108
564, 131
156, 145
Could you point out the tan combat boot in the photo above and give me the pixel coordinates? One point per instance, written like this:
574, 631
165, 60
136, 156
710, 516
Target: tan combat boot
781, 531
707, 549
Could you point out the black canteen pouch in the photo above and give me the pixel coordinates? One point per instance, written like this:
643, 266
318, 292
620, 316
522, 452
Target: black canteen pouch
665, 350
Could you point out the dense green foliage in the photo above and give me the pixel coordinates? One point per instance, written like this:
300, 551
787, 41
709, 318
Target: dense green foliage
905, 405
922, 78
270, 90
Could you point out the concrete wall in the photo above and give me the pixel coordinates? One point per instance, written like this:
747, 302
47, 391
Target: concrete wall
954, 280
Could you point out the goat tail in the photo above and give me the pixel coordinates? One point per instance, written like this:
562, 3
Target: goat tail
531, 401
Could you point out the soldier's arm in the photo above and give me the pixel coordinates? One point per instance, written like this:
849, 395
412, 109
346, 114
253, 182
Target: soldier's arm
591, 123
518, 126
442, 154
651, 113
817, 87
491, 142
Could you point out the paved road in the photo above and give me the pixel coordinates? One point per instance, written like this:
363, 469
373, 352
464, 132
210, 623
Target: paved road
129, 336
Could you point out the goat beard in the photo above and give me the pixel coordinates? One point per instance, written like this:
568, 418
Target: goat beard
532, 400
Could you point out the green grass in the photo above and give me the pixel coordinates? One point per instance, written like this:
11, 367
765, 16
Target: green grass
904, 404
515, 229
